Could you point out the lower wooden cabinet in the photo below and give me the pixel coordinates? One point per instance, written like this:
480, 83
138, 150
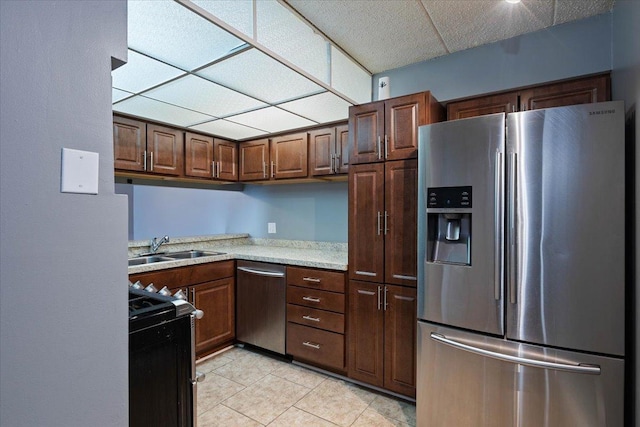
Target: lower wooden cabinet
381, 336
209, 287
217, 327
315, 317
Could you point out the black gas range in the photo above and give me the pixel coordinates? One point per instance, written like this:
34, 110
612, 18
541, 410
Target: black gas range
162, 375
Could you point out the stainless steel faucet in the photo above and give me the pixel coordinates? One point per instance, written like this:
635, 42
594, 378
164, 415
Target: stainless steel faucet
155, 243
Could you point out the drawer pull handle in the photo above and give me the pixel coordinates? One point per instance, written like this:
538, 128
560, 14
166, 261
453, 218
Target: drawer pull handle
313, 319
311, 299
311, 279
312, 345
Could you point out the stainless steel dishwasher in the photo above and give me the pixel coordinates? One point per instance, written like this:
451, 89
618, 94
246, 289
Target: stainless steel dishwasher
261, 305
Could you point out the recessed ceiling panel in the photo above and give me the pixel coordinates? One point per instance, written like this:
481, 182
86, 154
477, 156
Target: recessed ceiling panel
155, 110
285, 34
271, 119
117, 94
237, 13
141, 72
260, 76
322, 108
226, 129
464, 24
173, 34
348, 78
198, 94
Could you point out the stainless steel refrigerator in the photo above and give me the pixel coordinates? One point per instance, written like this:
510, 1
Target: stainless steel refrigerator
521, 278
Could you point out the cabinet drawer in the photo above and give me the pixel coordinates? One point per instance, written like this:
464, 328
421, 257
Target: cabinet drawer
316, 279
316, 346
321, 319
316, 299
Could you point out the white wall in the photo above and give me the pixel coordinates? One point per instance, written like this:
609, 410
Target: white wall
63, 268
626, 86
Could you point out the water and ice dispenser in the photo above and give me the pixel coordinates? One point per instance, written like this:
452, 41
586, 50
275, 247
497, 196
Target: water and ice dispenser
449, 225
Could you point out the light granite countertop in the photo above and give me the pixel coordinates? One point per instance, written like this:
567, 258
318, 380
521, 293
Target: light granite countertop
326, 255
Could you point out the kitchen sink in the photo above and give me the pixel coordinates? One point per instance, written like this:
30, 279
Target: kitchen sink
191, 254
149, 259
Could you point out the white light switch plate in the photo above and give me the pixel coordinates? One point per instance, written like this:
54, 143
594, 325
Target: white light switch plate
271, 227
79, 171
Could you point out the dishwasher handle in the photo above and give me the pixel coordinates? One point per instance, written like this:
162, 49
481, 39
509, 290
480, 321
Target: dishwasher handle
261, 272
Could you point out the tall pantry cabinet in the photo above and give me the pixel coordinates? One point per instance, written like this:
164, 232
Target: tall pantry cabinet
383, 176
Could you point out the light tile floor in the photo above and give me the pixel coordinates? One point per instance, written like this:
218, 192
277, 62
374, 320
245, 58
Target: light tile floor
247, 388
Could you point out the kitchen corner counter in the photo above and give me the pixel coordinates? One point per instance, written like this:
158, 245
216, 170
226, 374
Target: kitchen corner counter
325, 255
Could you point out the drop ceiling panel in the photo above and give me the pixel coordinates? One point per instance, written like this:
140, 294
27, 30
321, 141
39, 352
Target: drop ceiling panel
171, 33
141, 72
201, 95
286, 35
379, 34
569, 10
159, 111
118, 95
464, 24
227, 129
271, 119
237, 13
348, 78
322, 108
260, 76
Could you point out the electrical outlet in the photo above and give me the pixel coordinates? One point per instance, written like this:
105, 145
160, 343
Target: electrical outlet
271, 227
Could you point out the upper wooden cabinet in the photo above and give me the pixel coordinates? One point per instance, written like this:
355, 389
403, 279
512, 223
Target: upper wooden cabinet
253, 158
279, 158
388, 130
208, 157
582, 90
150, 148
328, 151
289, 156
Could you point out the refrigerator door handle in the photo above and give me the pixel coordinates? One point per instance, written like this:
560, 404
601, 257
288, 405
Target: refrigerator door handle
577, 368
499, 226
513, 247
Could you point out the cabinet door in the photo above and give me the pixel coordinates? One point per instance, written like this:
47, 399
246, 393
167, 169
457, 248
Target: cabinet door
165, 147
500, 103
129, 143
400, 222
580, 91
225, 154
322, 151
400, 339
198, 155
342, 149
366, 130
366, 215
365, 333
217, 326
254, 156
289, 156
403, 115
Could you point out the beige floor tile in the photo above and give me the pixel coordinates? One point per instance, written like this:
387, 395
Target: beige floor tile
213, 363
221, 416
371, 418
299, 375
395, 409
266, 399
337, 401
214, 389
296, 417
248, 368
